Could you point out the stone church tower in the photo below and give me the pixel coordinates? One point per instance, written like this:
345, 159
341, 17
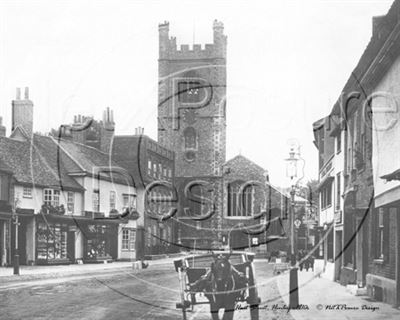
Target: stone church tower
191, 108
192, 123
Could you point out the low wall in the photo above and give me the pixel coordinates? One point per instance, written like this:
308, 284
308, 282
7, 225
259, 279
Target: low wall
382, 289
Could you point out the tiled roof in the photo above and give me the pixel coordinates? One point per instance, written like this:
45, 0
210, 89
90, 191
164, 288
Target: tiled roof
385, 27
4, 166
125, 151
35, 163
80, 158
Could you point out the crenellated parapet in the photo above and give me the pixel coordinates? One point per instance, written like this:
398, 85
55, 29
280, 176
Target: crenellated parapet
169, 50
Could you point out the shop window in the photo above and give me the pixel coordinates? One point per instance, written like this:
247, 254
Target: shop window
51, 197
27, 192
98, 244
96, 200
70, 202
112, 200
382, 234
128, 239
51, 241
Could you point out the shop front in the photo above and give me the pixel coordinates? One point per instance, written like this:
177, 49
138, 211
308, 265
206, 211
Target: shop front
5, 243
55, 239
64, 239
100, 241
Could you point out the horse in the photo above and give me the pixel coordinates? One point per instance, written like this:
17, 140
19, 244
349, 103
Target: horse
222, 285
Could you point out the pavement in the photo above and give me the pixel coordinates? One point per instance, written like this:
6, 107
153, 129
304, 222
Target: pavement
321, 298
28, 273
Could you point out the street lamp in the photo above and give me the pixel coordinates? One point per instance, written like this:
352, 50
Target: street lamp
291, 172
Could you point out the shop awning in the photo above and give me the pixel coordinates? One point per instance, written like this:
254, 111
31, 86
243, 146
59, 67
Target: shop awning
74, 218
395, 175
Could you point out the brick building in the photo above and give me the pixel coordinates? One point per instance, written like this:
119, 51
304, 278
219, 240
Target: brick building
364, 124
149, 163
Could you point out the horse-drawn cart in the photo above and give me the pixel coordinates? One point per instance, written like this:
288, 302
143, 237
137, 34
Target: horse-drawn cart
223, 280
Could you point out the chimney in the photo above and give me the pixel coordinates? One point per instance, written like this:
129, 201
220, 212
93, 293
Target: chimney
376, 25
139, 131
22, 112
107, 130
2, 128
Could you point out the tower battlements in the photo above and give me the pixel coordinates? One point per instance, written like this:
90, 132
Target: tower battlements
170, 51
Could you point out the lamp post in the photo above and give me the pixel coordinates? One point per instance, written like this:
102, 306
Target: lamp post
16, 223
239, 225
291, 172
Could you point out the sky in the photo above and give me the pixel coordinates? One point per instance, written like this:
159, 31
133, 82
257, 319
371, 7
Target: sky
287, 62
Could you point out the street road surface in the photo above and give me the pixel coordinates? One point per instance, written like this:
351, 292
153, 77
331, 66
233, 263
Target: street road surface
122, 294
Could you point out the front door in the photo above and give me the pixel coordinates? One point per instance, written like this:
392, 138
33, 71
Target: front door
71, 245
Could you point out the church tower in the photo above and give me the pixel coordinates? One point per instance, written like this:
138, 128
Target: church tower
192, 123
191, 103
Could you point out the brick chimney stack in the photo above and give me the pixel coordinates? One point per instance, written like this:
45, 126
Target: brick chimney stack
22, 112
107, 130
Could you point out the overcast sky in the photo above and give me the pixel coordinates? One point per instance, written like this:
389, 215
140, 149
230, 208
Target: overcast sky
287, 63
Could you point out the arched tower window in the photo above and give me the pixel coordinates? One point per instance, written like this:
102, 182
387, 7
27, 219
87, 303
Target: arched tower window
190, 138
240, 205
191, 89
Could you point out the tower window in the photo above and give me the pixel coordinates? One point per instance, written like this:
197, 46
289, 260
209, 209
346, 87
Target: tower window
190, 92
190, 138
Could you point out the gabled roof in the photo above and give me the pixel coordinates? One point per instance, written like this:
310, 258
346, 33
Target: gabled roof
242, 159
384, 27
243, 162
34, 162
82, 159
